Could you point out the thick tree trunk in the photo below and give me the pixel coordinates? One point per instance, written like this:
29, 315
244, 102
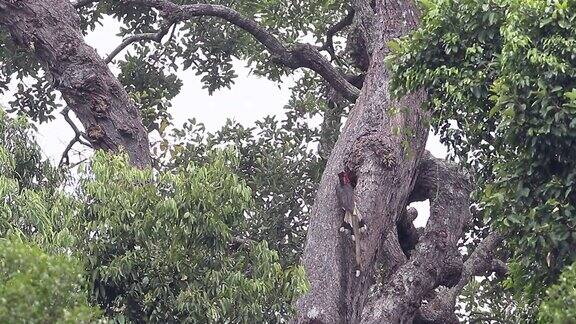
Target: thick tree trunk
383, 142
52, 29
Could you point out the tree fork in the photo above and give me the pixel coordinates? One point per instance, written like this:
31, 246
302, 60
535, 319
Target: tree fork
51, 28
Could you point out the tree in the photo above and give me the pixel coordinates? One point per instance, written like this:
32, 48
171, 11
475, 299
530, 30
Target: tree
560, 302
158, 247
445, 70
39, 288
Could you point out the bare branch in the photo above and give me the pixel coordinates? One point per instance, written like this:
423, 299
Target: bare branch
156, 37
81, 3
79, 137
296, 56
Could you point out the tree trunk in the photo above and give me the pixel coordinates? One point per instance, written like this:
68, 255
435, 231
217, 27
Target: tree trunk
382, 143
52, 29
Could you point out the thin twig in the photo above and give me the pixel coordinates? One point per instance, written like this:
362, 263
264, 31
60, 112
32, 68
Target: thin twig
79, 137
157, 37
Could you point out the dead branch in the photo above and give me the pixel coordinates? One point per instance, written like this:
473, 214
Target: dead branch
79, 137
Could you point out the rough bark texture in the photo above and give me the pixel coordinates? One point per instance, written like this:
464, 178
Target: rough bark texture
435, 260
382, 142
52, 29
441, 308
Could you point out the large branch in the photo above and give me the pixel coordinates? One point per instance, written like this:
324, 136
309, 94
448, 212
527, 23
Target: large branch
363, 23
436, 260
296, 56
482, 261
52, 29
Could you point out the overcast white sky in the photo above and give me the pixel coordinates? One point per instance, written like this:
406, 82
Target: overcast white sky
250, 99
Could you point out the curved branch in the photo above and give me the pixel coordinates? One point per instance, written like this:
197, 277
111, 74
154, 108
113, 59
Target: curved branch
481, 261
79, 137
296, 56
332, 31
156, 37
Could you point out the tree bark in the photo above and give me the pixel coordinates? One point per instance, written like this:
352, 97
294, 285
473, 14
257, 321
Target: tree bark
51, 28
441, 308
436, 260
382, 142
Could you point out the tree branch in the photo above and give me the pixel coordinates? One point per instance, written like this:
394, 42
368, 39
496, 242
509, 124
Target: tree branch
332, 31
156, 37
78, 138
81, 3
296, 56
441, 308
408, 234
363, 21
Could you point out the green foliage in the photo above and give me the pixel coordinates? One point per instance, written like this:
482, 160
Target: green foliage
33, 96
501, 81
24, 162
278, 164
36, 287
158, 246
150, 87
559, 305
165, 247
488, 299
30, 202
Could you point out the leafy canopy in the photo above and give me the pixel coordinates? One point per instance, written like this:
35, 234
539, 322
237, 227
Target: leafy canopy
156, 246
559, 305
36, 287
501, 78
